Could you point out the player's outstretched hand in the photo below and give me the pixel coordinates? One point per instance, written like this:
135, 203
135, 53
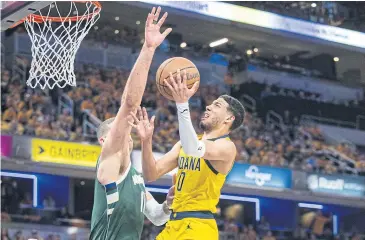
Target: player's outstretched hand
170, 196
178, 87
142, 124
153, 37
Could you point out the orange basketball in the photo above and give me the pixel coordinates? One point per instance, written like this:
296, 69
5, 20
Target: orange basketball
171, 65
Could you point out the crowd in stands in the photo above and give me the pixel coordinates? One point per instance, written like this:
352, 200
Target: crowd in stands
104, 36
291, 143
31, 112
27, 111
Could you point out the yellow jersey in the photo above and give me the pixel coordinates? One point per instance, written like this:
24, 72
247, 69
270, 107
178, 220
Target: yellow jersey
198, 185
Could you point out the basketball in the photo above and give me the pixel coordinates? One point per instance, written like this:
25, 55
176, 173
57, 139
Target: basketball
171, 65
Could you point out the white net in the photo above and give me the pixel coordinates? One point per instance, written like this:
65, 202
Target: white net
55, 41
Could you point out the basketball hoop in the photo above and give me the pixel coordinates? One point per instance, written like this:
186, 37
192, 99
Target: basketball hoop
55, 41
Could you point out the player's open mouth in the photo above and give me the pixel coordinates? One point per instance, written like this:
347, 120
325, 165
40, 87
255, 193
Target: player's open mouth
205, 116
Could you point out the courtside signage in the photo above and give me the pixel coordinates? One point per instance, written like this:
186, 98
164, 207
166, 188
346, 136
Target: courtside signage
64, 152
269, 20
337, 184
259, 176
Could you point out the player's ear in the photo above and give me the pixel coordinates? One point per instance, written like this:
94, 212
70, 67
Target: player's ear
101, 141
230, 119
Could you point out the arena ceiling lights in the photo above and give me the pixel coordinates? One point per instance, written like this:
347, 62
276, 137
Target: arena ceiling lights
218, 42
268, 20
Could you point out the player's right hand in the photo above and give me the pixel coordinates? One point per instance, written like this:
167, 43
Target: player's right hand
179, 88
142, 124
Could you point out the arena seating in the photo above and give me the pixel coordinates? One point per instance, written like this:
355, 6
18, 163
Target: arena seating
100, 92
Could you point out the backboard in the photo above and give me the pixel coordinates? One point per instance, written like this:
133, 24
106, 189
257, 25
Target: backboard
13, 11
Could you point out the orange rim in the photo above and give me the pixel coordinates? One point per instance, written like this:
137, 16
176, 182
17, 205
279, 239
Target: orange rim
39, 19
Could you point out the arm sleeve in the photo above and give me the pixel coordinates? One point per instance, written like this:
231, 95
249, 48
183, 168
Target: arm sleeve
155, 212
188, 137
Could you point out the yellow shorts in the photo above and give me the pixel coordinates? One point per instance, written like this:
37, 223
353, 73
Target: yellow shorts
189, 228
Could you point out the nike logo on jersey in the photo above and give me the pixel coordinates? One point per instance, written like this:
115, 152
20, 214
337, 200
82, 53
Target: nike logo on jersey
184, 111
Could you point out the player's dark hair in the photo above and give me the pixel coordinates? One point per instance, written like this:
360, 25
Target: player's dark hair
104, 127
237, 109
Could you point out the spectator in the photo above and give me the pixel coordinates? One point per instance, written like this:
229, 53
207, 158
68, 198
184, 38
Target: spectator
27, 201
263, 227
77, 136
87, 105
300, 233
66, 120
220, 221
44, 130
9, 195
49, 202
50, 237
35, 235
269, 236
19, 236
231, 226
64, 213
244, 235
9, 114
313, 237
287, 119
356, 236
5, 234
251, 232
5, 217
319, 223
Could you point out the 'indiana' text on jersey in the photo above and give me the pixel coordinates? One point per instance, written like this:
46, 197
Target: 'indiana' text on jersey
189, 163
198, 185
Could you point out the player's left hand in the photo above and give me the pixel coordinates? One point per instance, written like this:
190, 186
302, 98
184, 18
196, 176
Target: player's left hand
153, 37
179, 89
170, 196
142, 124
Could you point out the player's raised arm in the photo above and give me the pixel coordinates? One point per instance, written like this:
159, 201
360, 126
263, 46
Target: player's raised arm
220, 149
135, 86
116, 142
152, 169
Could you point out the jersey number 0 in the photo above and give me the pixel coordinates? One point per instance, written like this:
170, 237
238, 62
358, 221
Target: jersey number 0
180, 182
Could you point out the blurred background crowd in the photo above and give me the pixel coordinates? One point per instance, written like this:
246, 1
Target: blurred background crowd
298, 146
292, 143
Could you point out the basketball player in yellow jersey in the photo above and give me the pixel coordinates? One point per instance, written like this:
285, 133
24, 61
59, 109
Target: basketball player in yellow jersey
203, 162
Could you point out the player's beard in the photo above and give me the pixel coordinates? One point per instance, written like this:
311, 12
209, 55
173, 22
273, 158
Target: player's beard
208, 127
